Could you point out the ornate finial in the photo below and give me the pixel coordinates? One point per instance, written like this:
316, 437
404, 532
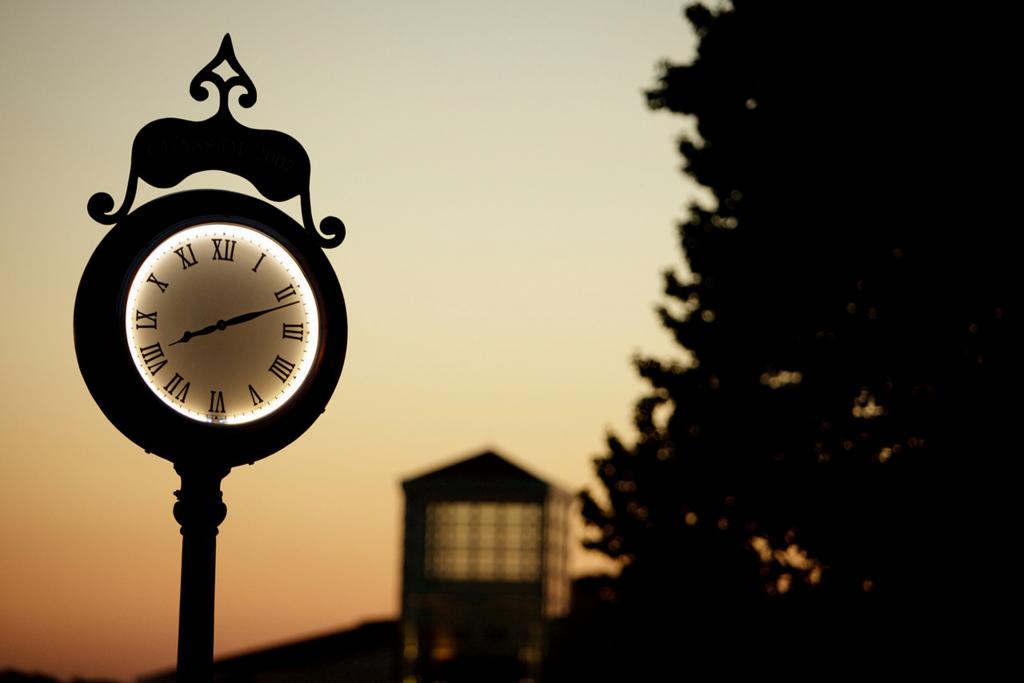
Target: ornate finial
208, 74
167, 151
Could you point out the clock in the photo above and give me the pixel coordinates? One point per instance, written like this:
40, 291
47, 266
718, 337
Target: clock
210, 328
222, 323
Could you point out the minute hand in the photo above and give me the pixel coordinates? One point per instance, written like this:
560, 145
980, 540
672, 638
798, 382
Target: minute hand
246, 317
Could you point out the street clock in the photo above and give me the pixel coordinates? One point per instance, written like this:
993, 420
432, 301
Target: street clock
210, 326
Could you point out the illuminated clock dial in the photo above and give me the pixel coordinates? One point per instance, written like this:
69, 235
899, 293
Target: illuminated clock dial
222, 323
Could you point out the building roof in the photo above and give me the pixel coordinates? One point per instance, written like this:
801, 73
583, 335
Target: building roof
486, 465
369, 652
487, 470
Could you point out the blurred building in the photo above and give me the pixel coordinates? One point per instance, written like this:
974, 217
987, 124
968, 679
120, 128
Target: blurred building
484, 572
484, 577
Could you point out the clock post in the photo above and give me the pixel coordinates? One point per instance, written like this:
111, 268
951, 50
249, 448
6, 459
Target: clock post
200, 510
210, 327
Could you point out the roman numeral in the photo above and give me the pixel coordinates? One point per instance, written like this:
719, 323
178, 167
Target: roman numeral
256, 398
217, 402
150, 319
162, 285
281, 368
285, 293
291, 331
153, 357
186, 261
229, 249
256, 267
176, 388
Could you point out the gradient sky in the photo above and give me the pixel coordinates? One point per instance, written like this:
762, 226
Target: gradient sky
510, 204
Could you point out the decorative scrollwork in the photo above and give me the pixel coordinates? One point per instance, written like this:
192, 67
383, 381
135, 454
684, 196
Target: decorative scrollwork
167, 151
208, 74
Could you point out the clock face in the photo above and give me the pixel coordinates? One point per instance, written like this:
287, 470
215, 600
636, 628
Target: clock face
222, 323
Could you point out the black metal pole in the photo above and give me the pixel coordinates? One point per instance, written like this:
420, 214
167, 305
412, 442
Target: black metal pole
199, 510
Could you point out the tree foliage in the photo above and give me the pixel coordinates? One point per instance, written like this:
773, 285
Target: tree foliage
849, 330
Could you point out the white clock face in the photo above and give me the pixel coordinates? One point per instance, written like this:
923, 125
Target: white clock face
222, 323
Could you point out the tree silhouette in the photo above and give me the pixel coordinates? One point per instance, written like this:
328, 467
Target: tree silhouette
817, 461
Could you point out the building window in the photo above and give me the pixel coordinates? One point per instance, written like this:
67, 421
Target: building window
471, 541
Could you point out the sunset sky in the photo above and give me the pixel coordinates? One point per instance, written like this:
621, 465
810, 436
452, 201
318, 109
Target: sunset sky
510, 203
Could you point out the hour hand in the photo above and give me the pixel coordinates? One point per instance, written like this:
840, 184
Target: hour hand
219, 325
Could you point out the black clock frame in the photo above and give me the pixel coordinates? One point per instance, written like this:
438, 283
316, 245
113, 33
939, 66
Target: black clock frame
106, 361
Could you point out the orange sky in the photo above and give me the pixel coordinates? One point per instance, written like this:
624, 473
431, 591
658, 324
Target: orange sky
510, 204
